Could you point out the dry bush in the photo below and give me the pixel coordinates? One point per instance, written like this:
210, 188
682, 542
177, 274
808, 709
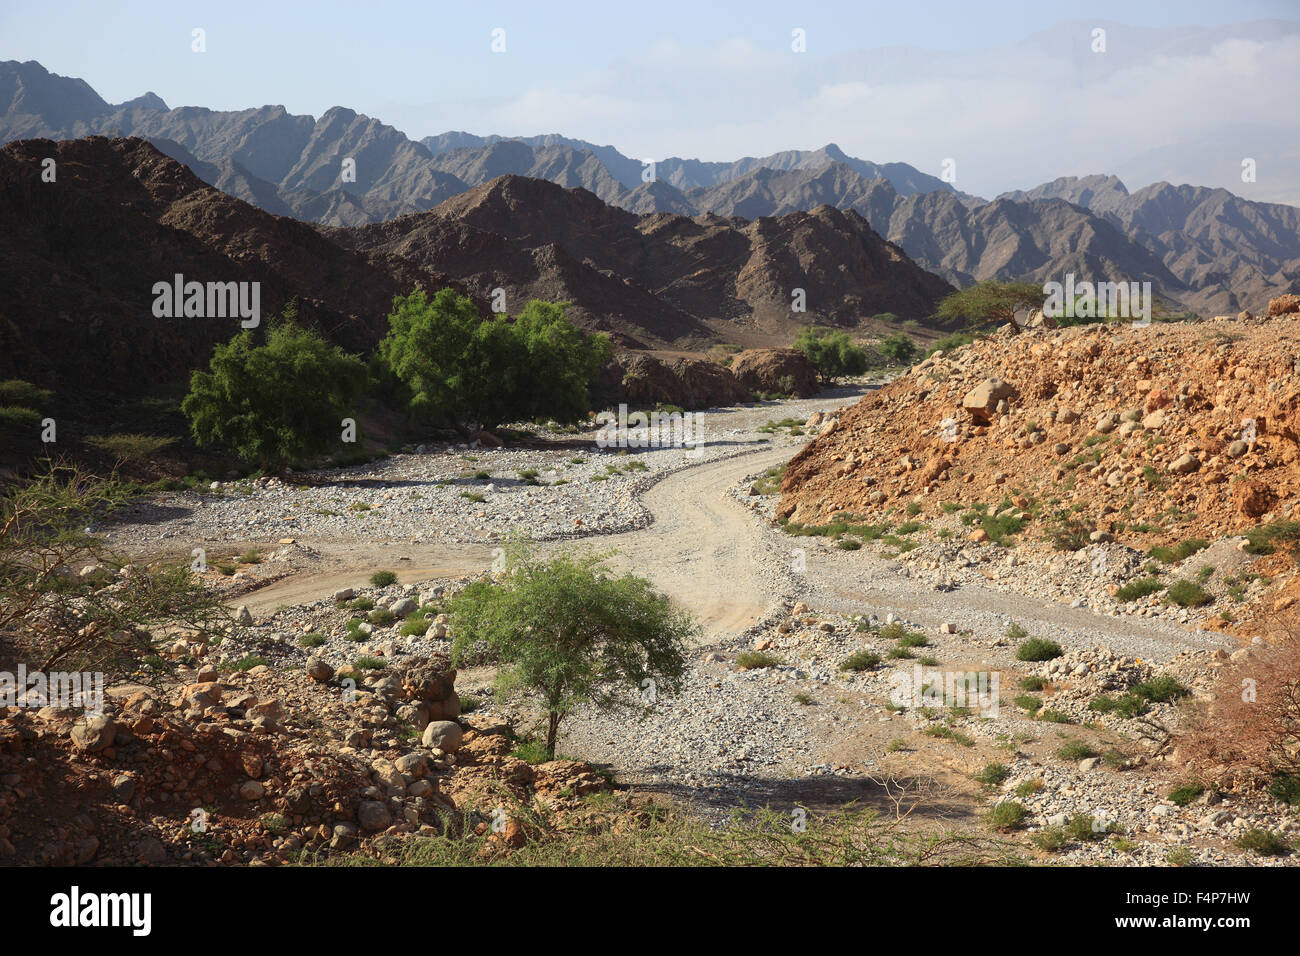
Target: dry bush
1250, 732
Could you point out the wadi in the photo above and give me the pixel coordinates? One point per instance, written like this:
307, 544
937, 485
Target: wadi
477, 499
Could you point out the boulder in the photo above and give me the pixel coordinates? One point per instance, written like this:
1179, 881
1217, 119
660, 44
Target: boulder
1284, 305
776, 370
444, 735
981, 402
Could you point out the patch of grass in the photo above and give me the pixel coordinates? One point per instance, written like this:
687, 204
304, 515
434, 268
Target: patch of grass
382, 579
473, 496
248, 662
1055, 717
1180, 856
1138, 588
415, 626
993, 774
1186, 593
1049, 839
900, 654
381, 617
251, 556
1085, 828
860, 661
1028, 702
848, 544
1125, 705
363, 604
1033, 683
1038, 649
1007, 815
1027, 788
313, 639
1182, 796
367, 663
1179, 552
803, 698
1263, 842
1075, 750
532, 750
753, 660
944, 732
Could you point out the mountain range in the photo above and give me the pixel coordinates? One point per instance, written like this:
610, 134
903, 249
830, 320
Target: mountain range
1207, 250
79, 258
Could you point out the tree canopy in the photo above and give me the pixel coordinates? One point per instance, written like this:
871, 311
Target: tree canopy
990, 302
282, 400
569, 634
462, 368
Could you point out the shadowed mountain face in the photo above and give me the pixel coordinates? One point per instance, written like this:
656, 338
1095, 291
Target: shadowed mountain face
1207, 249
79, 258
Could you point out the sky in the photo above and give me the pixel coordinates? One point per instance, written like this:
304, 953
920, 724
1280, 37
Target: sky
1002, 94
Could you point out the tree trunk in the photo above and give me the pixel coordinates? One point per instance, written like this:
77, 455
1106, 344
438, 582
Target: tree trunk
552, 731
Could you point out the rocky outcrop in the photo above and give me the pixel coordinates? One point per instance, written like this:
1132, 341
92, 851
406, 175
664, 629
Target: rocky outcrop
787, 371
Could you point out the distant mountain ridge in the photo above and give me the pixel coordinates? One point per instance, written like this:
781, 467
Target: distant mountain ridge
1207, 249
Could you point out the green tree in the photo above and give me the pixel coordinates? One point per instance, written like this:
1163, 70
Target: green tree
897, 348
569, 634
278, 401
461, 368
990, 302
832, 353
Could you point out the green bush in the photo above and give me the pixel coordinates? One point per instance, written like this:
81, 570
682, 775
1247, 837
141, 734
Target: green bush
1075, 750
1263, 842
993, 774
275, 402
860, 661
1038, 649
1007, 815
1138, 588
382, 579
832, 353
1184, 795
414, 626
461, 368
1186, 593
754, 660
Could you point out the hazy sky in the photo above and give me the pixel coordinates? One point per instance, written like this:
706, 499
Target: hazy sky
1013, 92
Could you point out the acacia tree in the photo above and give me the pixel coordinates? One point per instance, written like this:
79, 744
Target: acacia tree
990, 302
569, 634
277, 401
832, 352
461, 368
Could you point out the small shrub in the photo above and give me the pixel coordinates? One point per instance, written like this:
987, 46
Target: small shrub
1033, 683
1182, 796
381, 617
311, 640
370, 663
1263, 842
1075, 750
860, 661
754, 660
1038, 649
1186, 593
1050, 839
1138, 588
382, 579
1055, 717
414, 626
248, 662
993, 774
1007, 815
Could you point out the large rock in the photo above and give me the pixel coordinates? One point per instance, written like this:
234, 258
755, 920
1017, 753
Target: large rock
776, 370
1284, 305
374, 816
705, 384
981, 402
445, 735
94, 733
